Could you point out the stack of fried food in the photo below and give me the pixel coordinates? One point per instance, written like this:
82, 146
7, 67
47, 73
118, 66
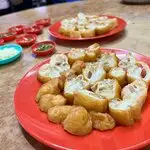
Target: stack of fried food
89, 89
84, 26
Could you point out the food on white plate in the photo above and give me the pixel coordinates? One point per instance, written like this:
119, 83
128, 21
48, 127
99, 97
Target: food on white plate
76, 54
49, 100
58, 64
73, 85
108, 88
7, 53
84, 26
90, 101
119, 74
127, 61
139, 71
108, 61
89, 89
54, 86
102, 121
92, 52
128, 110
57, 114
78, 122
94, 72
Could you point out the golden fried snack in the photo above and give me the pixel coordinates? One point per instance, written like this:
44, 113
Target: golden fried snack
139, 71
77, 67
47, 101
94, 72
57, 114
43, 75
54, 86
113, 23
60, 62
108, 60
119, 74
128, 110
57, 65
78, 122
72, 85
125, 112
127, 61
75, 34
76, 54
85, 33
108, 88
92, 52
90, 101
102, 121
102, 27
137, 90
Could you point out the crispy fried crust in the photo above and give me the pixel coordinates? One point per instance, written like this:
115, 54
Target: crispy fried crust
78, 122
90, 101
102, 121
58, 114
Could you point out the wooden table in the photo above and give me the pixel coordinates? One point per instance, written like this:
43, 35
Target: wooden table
135, 37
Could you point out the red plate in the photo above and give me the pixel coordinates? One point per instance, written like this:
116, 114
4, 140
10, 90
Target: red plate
45, 52
32, 30
53, 30
44, 22
36, 123
26, 40
18, 29
1, 41
8, 36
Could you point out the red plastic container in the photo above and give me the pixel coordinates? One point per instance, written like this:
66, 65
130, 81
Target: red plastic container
43, 52
44, 22
26, 40
18, 29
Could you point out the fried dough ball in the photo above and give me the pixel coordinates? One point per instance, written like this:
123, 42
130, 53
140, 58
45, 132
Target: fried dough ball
72, 85
108, 61
108, 88
76, 54
78, 66
139, 71
102, 121
54, 86
57, 114
119, 74
94, 72
78, 122
90, 101
47, 101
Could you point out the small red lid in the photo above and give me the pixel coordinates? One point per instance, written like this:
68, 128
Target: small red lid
44, 22
32, 30
26, 40
1, 41
8, 36
18, 29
